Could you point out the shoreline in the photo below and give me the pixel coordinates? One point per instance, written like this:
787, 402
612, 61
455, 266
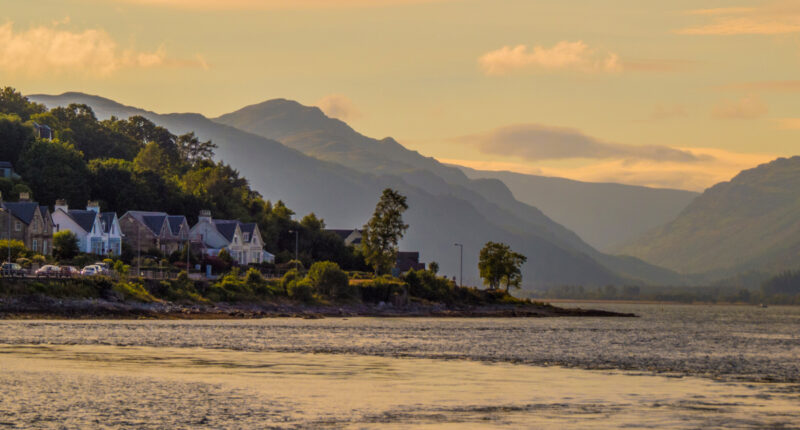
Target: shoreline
85, 309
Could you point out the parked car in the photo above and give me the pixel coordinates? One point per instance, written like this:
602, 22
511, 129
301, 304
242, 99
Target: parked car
92, 270
102, 265
12, 270
69, 271
48, 271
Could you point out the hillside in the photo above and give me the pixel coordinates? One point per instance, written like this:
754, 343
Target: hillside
441, 212
749, 223
605, 215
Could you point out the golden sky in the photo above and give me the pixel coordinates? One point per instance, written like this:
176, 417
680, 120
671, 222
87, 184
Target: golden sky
680, 94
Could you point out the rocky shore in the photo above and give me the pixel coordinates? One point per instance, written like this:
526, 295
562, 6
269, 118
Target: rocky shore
37, 307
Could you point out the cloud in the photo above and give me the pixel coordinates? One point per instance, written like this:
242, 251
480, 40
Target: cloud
564, 55
339, 107
718, 165
764, 86
668, 112
539, 142
749, 107
42, 50
772, 18
269, 4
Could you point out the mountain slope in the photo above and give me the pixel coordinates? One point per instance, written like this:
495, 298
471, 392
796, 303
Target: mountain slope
603, 214
309, 130
345, 198
749, 223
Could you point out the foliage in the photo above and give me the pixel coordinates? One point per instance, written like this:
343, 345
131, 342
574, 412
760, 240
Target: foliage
18, 249
15, 137
288, 278
301, 290
54, 170
380, 289
433, 267
499, 265
384, 230
329, 280
13, 102
426, 285
134, 291
65, 245
193, 150
225, 256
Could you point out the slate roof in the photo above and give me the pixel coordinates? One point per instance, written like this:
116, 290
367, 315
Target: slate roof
85, 219
175, 223
249, 228
154, 222
107, 218
227, 228
24, 211
5, 165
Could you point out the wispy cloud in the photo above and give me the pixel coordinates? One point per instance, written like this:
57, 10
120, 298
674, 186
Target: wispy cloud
269, 4
719, 165
772, 18
668, 112
764, 86
749, 107
46, 50
339, 107
564, 55
540, 142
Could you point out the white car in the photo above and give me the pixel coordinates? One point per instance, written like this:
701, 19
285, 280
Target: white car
91, 270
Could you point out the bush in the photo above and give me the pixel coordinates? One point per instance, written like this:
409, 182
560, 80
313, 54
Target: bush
329, 280
380, 289
17, 249
302, 290
65, 245
134, 291
426, 285
288, 278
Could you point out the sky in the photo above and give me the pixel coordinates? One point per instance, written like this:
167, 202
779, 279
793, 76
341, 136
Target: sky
679, 94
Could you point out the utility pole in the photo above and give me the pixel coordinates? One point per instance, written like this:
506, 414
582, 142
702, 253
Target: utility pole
460, 264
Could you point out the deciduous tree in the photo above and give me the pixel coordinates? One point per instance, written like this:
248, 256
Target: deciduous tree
384, 230
499, 265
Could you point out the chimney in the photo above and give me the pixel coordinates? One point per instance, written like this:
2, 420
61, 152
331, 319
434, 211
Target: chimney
61, 204
24, 197
93, 206
205, 216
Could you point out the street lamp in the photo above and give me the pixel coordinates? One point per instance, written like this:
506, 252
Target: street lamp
8, 238
460, 264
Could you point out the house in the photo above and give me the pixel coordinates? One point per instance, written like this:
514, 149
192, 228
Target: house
42, 131
350, 237
28, 222
408, 260
7, 171
145, 230
242, 240
97, 232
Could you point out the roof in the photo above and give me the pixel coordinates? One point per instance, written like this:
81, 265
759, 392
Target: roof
342, 233
227, 228
175, 223
107, 219
248, 228
154, 222
44, 211
6, 164
24, 211
84, 219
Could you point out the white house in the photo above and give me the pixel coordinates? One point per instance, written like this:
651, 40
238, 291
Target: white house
97, 233
242, 240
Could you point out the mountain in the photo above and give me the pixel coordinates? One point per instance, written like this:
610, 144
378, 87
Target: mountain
446, 206
605, 215
749, 223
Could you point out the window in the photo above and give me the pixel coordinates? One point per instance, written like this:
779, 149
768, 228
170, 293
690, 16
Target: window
17, 226
246, 237
256, 256
44, 247
35, 244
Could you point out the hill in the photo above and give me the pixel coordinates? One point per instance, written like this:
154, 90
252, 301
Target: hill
441, 213
749, 223
605, 215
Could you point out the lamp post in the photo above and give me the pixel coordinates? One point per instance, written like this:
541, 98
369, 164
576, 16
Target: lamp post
460, 264
8, 238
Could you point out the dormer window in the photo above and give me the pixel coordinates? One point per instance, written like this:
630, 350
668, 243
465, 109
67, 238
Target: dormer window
246, 237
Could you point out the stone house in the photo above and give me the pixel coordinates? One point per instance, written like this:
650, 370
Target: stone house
28, 222
242, 240
154, 230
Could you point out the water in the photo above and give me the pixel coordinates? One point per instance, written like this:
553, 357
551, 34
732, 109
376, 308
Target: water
675, 367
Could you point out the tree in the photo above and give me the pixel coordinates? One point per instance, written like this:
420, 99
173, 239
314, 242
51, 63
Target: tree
192, 150
433, 267
14, 138
384, 230
330, 280
499, 265
55, 170
65, 245
13, 102
311, 222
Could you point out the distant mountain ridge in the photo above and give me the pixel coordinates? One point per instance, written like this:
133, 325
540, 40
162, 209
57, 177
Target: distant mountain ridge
606, 215
750, 223
446, 206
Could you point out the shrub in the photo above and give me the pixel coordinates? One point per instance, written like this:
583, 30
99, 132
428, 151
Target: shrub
38, 259
17, 249
329, 280
288, 278
380, 289
65, 245
134, 291
302, 290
